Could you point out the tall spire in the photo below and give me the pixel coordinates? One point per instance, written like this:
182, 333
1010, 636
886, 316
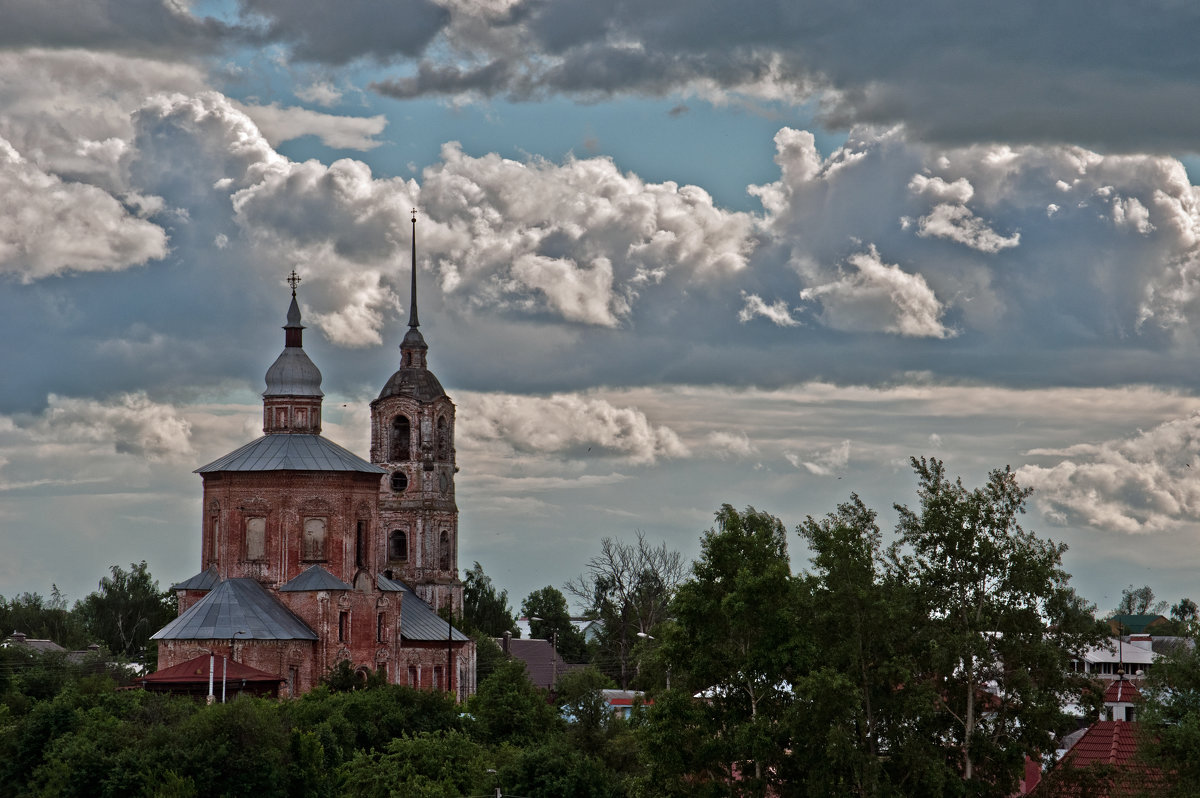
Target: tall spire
412, 313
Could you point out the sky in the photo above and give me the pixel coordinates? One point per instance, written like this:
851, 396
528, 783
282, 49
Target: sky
671, 255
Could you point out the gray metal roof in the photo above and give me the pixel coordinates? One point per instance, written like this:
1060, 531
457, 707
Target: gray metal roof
205, 580
315, 578
418, 621
291, 452
293, 374
418, 383
236, 607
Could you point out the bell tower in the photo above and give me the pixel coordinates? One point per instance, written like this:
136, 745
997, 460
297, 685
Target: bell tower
412, 438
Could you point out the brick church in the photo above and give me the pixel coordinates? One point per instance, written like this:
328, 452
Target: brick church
311, 555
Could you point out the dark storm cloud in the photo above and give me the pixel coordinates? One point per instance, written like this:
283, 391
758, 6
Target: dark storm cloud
335, 33
1109, 74
142, 26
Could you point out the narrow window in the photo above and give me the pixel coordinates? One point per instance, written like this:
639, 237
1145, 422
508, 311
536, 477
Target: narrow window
414, 678
314, 539
360, 545
343, 627
216, 536
443, 439
444, 544
380, 629
256, 538
293, 681
400, 438
437, 677
398, 545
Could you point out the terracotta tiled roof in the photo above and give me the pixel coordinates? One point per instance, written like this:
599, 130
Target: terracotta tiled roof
1122, 691
1110, 742
1102, 765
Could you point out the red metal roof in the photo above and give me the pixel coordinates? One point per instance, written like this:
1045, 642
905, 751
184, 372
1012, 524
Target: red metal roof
196, 670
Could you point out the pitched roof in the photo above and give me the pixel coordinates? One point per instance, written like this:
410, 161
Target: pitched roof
291, 452
1103, 765
418, 621
542, 662
205, 580
315, 578
1122, 691
196, 670
239, 608
1135, 624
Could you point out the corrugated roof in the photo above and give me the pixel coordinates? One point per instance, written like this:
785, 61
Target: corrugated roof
236, 607
315, 578
291, 452
205, 580
418, 621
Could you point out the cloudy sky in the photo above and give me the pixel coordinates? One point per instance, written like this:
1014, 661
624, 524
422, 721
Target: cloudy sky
672, 255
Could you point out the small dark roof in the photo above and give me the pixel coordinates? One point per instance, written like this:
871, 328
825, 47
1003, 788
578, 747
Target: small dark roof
418, 383
291, 452
418, 621
236, 607
195, 671
205, 580
1135, 624
542, 662
36, 644
315, 578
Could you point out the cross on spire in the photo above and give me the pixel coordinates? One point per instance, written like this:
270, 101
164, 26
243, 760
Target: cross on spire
412, 316
294, 280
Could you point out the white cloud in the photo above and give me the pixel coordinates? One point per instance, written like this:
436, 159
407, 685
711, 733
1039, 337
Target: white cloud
1148, 482
878, 297
339, 132
777, 312
564, 425
49, 226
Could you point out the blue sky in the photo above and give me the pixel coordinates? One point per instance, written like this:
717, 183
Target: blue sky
671, 255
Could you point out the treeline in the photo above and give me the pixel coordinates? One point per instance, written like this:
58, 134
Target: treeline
120, 616
931, 666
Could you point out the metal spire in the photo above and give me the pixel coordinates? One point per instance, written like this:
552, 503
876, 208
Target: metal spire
412, 314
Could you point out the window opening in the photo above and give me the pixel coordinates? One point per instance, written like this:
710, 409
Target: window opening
401, 438
398, 545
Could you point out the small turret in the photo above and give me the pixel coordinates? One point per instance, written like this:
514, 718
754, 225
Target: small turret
292, 401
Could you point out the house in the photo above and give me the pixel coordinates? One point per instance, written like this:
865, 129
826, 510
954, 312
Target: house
543, 665
1131, 655
311, 555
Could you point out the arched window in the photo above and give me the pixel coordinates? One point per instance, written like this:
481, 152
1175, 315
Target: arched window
256, 538
398, 545
399, 481
443, 439
401, 437
314, 539
444, 545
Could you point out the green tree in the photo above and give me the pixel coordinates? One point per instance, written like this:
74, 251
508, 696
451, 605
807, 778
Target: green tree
483, 608
1170, 715
427, 765
1139, 601
1185, 611
43, 619
508, 708
126, 610
628, 588
553, 622
735, 641
995, 626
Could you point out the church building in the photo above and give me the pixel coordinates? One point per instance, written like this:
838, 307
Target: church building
311, 555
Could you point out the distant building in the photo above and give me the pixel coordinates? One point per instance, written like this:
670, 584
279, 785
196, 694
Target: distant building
1137, 624
543, 665
1131, 655
311, 555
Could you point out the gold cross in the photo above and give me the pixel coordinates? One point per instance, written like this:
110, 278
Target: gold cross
294, 280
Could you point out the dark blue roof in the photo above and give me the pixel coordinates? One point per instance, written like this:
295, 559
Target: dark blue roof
205, 580
315, 578
236, 607
291, 452
418, 621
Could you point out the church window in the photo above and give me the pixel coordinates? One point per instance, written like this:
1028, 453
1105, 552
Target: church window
398, 545
414, 676
445, 550
293, 681
399, 481
343, 627
216, 544
380, 629
256, 538
314, 539
360, 544
443, 439
437, 677
401, 437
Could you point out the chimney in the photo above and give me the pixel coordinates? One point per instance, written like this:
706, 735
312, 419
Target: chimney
507, 637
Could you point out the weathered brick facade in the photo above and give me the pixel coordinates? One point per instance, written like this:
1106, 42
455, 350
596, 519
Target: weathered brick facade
292, 500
